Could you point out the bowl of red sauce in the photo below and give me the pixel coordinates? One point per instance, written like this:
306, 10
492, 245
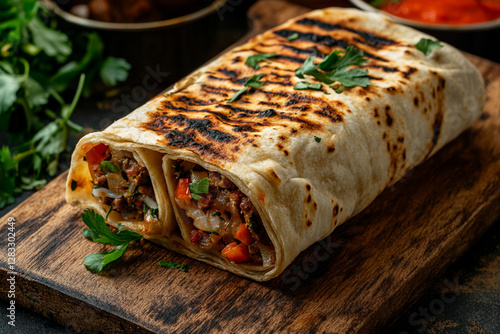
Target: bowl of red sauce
454, 15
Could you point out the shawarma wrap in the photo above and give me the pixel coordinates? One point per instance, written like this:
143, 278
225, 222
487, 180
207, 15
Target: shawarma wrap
247, 185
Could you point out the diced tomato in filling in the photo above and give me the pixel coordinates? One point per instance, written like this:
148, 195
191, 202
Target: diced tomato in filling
222, 218
182, 194
195, 236
236, 252
244, 235
96, 154
124, 185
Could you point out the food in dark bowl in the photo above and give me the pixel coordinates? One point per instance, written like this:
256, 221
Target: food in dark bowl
133, 11
162, 40
463, 15
443, 11
465, 24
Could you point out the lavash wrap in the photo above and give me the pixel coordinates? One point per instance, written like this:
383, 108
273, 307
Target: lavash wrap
369, 137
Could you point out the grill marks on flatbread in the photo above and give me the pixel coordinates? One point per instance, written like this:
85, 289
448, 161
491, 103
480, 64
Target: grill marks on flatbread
308, 161
199, 119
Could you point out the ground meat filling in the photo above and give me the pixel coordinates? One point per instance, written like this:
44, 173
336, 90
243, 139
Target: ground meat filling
123, 184
223, 219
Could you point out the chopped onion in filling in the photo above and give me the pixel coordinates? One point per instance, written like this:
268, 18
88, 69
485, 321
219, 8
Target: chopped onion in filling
197, 176
201, 221
150, 202
116, 182
267, 256
121, 182
221, 218
131, 190
105, 192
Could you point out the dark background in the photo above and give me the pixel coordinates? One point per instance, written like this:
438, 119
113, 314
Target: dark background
474, 304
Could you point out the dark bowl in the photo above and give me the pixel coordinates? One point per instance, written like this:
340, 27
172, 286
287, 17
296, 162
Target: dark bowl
477, 38
175, 46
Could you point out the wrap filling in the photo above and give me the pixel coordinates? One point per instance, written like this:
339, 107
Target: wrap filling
222, 219
121, 183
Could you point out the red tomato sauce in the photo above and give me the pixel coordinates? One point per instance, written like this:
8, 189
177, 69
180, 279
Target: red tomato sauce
445, 11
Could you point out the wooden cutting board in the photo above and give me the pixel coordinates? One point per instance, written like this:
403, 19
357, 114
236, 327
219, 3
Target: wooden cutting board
358, 280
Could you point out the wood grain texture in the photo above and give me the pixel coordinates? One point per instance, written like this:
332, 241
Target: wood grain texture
356, 281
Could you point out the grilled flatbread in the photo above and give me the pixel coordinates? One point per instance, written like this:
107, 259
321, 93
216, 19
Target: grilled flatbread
286, 166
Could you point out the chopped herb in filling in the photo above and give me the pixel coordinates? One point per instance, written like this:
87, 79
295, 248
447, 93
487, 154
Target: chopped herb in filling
123, 184
223, 219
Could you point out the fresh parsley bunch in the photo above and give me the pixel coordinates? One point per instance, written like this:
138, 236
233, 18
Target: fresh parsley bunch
39, 66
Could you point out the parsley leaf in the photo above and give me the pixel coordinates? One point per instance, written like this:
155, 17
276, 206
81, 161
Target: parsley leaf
350, 78
253, 81
293, 36
9, 85
53, 42
237, 95
36, 95
427, 45
67, 73
330, 62
307, 85
309, 68
114, 70
317, 139
174, 265
108, 167
96, 262
94, 236
351, 56
335, 68
253, 61
200, 187
99, 232
107, 215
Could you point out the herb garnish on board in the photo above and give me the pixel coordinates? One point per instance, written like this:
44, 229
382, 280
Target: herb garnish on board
174, 265
99, 232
